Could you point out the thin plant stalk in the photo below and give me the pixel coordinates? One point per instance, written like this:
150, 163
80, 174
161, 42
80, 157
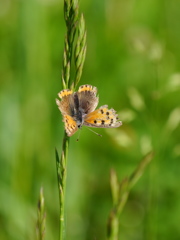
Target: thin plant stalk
74, 45
120, 193
41, 219
61, 164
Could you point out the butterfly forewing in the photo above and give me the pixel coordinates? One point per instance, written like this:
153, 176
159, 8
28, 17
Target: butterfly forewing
88, 100
66, 105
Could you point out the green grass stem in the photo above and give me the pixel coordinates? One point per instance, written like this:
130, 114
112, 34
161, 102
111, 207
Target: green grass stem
76, 47
41, 217
120, 192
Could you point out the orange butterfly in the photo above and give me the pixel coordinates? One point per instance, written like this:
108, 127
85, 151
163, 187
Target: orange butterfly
78, 109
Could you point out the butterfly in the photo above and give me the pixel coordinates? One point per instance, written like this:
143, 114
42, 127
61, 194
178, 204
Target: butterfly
78, 109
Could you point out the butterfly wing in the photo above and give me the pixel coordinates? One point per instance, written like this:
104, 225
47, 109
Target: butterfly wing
70, 125
66, 105
67, 108
102, 118
88, 100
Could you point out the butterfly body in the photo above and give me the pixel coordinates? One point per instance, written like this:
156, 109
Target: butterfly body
78, 109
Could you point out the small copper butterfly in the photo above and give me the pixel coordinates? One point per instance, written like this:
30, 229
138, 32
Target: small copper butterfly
78, 109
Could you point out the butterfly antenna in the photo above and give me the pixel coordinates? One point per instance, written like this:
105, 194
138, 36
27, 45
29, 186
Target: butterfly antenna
94, 132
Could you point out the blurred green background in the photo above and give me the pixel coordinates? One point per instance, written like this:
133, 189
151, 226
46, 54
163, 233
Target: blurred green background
133, 58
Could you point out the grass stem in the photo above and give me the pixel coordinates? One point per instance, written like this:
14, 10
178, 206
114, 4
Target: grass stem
120, 193
76, 47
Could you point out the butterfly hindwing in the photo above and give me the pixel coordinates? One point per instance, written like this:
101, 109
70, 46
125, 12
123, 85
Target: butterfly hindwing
102, 118
70, 125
